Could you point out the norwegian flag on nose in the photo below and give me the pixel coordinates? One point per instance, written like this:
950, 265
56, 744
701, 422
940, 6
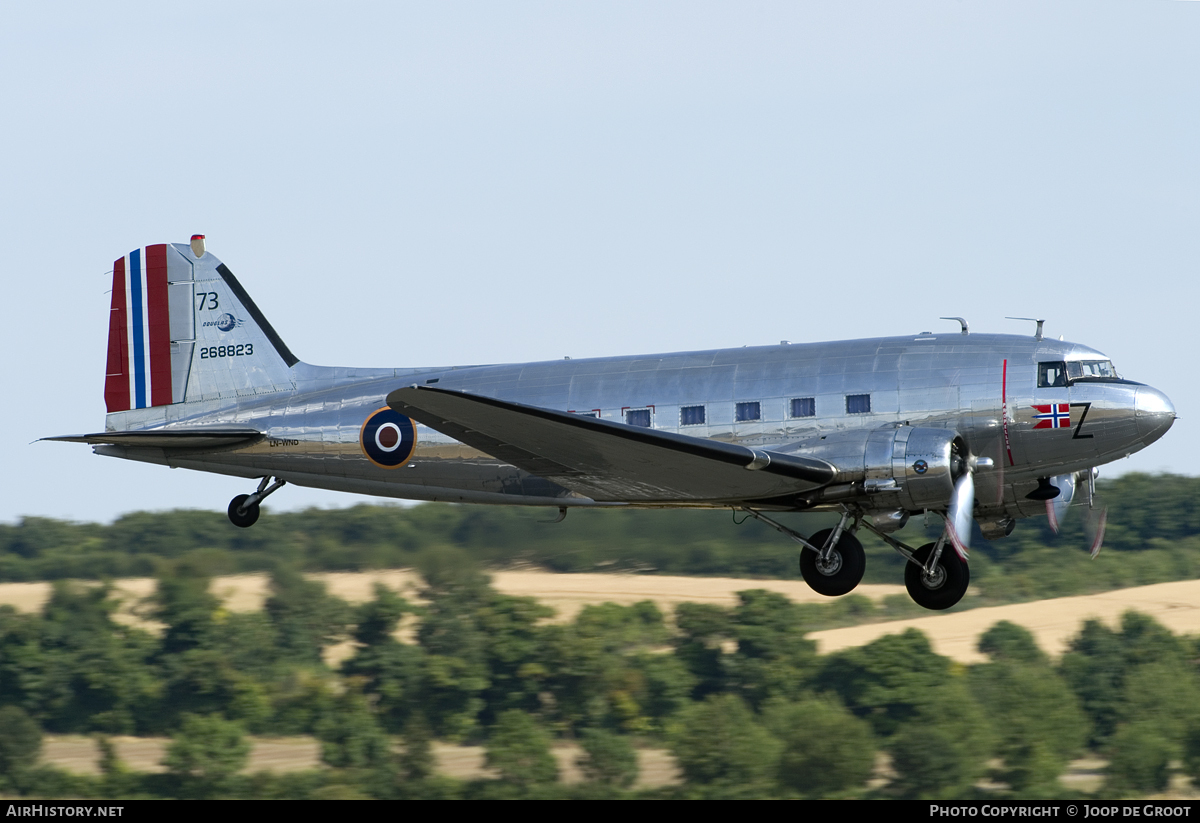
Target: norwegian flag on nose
1053, 416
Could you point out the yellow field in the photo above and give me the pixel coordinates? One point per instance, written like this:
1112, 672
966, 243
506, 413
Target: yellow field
1053, 622
79, 754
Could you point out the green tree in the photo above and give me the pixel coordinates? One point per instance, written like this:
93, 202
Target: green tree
944, 747
827, 751
390, 671
720, 745
417, 762
1191, 753
1099, 661
703, 628
306, 617
94, 673
1139, 760
183, 602
205, 754
20, 746
1006, 641
1037, 719
608, 759
773, 656
455, 673
519, 750
887, 681
351, 737
1166, 695
597, 671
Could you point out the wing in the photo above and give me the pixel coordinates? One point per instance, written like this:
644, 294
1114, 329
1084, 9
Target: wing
205, 438
610, 461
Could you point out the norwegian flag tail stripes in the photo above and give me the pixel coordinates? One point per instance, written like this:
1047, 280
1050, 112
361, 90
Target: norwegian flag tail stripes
139, 367
116, 380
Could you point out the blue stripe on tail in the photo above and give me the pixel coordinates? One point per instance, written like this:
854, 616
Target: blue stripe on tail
138, 325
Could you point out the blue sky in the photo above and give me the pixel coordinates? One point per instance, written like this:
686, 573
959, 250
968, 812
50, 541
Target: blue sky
436, 183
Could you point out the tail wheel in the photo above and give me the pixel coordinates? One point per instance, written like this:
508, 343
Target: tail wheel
942, 589
241, 517
843, 569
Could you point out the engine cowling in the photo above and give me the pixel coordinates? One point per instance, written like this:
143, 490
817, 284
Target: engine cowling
909, 467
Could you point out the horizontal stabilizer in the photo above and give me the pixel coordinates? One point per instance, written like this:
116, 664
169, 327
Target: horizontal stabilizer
205, 438
607, 460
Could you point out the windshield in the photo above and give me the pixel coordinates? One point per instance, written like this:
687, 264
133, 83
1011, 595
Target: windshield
1091, 369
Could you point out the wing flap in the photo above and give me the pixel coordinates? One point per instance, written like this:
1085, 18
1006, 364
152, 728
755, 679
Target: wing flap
606, 460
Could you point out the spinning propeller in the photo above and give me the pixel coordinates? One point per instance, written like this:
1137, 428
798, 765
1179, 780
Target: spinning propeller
1097, 514
960, 514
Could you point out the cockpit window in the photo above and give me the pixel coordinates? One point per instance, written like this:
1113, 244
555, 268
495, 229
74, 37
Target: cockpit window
1091, 370
1052, 375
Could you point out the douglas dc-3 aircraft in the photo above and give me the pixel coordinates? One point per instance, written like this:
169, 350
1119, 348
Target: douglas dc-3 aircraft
968, 426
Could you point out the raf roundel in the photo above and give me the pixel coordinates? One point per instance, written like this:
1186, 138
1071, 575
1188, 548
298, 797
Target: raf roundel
388, 438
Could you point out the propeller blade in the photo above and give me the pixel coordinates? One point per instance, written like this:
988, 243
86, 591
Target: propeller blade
1056, 508
1097, 521
960, 513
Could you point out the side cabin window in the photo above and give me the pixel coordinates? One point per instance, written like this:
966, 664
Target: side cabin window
745, 412
858, 404
587, 413
691, 416
804, 407
638, 417
1052, 375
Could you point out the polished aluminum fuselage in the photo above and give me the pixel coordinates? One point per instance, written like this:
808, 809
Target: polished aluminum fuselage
982, 386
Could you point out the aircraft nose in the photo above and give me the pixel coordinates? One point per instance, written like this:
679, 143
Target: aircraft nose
1155, 414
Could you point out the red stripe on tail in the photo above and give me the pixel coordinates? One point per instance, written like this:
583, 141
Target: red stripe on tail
158, 322
116, 381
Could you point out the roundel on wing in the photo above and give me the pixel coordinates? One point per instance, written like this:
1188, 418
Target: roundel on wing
388, 438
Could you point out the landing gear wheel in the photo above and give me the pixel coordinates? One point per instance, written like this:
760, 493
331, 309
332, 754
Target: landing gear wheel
843, 570
945, 586
247, 517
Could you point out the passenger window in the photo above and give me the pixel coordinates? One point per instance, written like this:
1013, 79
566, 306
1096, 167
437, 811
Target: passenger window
1052, 375
691, 416
748, 411
804, 407
638, 417
858, 403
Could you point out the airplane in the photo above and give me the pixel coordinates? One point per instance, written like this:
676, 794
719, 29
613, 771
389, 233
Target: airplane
988, 428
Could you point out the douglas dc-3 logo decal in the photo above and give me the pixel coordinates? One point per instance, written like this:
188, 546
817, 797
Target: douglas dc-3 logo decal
1058, 416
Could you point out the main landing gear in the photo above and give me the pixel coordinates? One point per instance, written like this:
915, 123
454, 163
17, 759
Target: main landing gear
935, 576
832, 562
243, 509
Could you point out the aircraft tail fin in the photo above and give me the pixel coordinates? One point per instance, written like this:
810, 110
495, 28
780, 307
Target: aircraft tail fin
182, 329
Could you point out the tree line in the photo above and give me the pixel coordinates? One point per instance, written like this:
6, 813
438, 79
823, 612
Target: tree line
739, 695
1153, 536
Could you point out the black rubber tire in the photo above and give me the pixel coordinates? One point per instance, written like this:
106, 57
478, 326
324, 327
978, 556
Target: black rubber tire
247, 518
853, 562
951, 589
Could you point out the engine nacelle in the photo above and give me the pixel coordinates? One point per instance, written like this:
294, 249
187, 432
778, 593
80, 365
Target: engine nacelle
909, 467
926, 463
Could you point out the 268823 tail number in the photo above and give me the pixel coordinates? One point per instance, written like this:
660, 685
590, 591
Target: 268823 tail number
214, 352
